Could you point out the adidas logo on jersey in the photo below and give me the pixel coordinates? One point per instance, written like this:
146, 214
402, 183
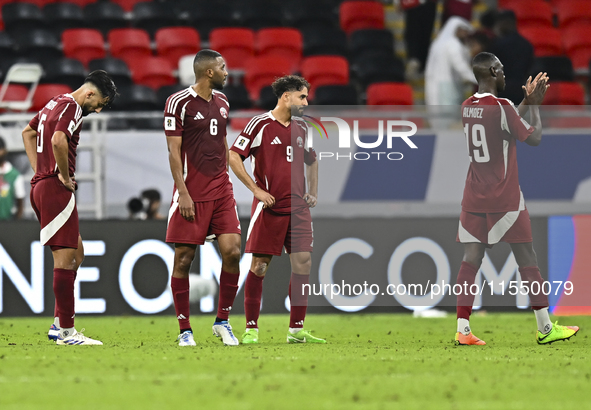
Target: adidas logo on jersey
199, 116
276, 141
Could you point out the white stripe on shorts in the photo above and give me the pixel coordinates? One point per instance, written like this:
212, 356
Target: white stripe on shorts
255, 215
60, 220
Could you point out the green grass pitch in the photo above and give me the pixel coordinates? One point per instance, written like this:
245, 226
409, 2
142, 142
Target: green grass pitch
372, 361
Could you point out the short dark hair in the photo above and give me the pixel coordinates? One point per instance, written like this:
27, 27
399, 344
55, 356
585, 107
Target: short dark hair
203, 57
484, 58
151, 194
289, 83
101, 80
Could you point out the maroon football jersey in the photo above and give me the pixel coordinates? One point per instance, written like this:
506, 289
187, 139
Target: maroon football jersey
202, 126
491, 126
61, 113
278, 154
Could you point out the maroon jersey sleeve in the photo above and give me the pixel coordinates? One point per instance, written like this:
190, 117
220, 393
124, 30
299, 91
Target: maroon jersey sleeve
513, 123
69, 119
249, 139
173, 121
34, 123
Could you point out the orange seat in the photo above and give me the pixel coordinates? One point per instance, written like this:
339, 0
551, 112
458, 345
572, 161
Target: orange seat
46, 92
577, 43
235, 44
154, 72
280, 42
565, 93
545, 40
83, 44
532, 13
573, 12
129, 44
262, 71
389, 94
325, 70
174, 42
355, 15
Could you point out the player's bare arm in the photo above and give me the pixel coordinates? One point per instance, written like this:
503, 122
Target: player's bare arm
237, 164
186, 204
535, 99
311, 197
59, 143
30, 141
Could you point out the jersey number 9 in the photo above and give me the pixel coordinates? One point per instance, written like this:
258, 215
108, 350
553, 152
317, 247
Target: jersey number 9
289, 153
477, 140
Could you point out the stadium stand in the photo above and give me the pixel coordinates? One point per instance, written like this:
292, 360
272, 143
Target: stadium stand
152, 16
128, 5
129, 44
262, 71
237, 96
154, 72
324, 40
325, 70
532, 13
545, 40
83, 44
336, 95
267, 99
389, 94
173, 43
355, 15
573, 12
117, 69
377, 66
371, 39
303, 14
63, 16
565, 93
21, 17
257, 14
204, 16
46, 92
281, 42
577, 43
38, 44
64, 71
105, 16
235, 44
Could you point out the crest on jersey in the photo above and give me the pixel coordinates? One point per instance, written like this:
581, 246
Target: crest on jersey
300, 142
224, 112
241, 142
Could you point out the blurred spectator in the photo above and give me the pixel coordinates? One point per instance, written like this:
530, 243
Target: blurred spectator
459, 8
147, 206
419, 17
477, 42
487, 23
448, 64
136, 209
12, 188
515, 52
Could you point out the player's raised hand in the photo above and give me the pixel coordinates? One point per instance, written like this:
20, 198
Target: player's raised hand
266, 198
187, 207
530, 86
69, 184
311, 200
537, 95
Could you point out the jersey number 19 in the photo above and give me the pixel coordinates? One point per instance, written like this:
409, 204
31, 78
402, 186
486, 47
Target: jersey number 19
476, 141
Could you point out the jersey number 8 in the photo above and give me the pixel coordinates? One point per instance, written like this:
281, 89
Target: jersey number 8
478, 140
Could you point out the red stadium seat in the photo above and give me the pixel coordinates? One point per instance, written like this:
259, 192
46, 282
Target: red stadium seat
389, 94
129, 44
532, 13
127, 5
40, 3
262, 71
46, 92
235, 44
577, 43
80, 3
355, 15
174, 42
83, 44
280, 42
565, 93
15, 92
573, 12
545, 40
325, 70
154, 72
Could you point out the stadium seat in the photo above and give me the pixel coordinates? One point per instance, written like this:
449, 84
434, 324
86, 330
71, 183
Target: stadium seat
127, 5
325, 70
280, 42
371, 39
20, 18
41, 3
565, 93
129, 44
389, 93
577, 43
167, 90
324, 40
174, 42
63, 16
80, 3
64, 71
137, 98
154, 72
257, 14
262, 71
7, 62
237, 96
204, 16
105, 16
532, 13
39, 44
376, 67
306, 13
356, 15
117, 69
267, 99
83, 44
7, 49
335, 95
14, 92
18, 75
152, 16
573, 12
559, 68
46, 92
235, 44
545, 40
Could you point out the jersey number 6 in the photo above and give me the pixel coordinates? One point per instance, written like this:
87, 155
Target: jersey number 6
213, 127
478, 141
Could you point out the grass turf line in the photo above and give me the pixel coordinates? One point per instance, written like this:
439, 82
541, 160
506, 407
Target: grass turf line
372, 361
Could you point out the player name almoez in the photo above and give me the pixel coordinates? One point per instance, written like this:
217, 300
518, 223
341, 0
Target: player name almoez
472, 112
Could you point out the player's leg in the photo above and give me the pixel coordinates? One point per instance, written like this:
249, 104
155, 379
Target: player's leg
473, 254
253, 293
526, 259
179, 283
229, 245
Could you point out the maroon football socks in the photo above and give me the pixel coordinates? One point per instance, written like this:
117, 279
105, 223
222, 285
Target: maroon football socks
253, 292
299, 299
180, 295
63, 289
228, 289
465, 301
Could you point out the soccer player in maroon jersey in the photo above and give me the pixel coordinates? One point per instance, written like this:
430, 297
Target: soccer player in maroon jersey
51, 139
203, 204
493, 209
276, 143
